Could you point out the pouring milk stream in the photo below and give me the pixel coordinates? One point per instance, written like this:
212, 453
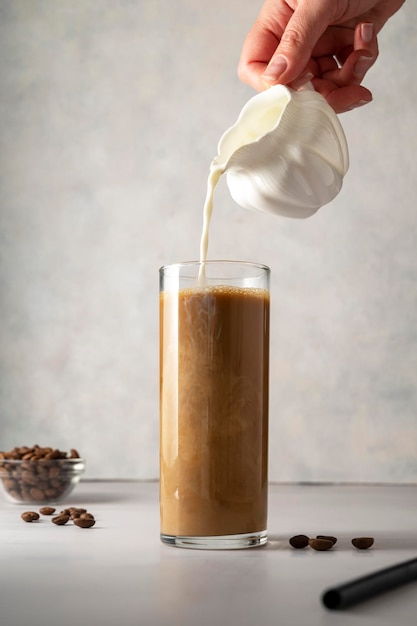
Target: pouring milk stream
286, 154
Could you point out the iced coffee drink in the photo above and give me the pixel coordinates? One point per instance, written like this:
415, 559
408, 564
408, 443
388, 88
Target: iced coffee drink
214, 342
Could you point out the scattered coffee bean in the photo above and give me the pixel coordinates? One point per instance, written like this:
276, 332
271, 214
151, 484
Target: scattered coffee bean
299, 541
66, 512
76, 512
87, 516
320, 544
29, 516
47, 510
329, 537
84, 522
363, 543
79, 516
60, 520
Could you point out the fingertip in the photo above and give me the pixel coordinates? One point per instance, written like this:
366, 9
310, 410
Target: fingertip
343, 101
362, 65
275, 69
357, 104
366, 31
366, 38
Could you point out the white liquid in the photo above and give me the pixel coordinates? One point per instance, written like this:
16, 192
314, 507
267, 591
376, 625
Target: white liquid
214, 176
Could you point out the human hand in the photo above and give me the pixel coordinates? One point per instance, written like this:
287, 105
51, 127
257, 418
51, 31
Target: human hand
331, 43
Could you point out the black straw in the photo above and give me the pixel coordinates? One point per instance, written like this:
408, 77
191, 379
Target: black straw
368, 586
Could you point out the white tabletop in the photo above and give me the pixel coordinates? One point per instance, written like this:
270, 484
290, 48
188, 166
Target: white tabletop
119, 574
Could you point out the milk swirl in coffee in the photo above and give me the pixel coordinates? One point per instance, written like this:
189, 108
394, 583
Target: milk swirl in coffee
214, 411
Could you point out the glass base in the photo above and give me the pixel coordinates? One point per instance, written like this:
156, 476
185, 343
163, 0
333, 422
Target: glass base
218, 542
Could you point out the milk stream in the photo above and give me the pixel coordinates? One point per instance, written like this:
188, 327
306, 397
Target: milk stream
214, 176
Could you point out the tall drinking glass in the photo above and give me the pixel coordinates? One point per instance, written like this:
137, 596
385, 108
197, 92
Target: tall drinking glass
214, 361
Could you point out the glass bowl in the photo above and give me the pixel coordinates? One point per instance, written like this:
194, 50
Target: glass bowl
39, 481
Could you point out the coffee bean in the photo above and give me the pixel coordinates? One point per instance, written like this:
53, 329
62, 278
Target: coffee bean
320, 544
47, 510
29, 477
29, 516
299, 541
363, 543
76, 512
60, 520
329, 537
86, 516
54, 473
84, 522
37, 494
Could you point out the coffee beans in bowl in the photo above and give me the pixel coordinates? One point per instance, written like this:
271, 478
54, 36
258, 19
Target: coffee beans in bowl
39, 474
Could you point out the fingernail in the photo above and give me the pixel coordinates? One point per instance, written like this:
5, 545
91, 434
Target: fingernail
276, 67
362, 65
357, 104
367, 32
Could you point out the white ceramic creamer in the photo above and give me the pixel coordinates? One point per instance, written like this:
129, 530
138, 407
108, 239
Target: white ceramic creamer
286, 153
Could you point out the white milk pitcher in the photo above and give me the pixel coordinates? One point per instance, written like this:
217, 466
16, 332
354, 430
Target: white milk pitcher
286, 154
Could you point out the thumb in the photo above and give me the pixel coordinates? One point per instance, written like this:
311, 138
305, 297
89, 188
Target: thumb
303, 30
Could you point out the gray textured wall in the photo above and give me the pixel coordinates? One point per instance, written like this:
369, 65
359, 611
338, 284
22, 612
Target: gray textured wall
110, 115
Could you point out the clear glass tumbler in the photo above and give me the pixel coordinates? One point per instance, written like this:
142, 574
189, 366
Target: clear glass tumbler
214, 374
